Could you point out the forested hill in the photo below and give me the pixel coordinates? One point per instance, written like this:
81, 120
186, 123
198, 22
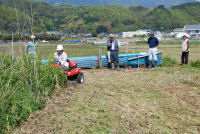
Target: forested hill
145, 3
68, 18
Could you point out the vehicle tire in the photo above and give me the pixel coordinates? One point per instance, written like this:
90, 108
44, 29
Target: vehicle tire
80, 78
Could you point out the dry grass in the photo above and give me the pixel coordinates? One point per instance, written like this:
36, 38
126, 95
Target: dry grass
162, 100
75, 50
134, 101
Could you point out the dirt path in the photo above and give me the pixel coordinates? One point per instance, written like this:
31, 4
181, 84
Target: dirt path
131, 101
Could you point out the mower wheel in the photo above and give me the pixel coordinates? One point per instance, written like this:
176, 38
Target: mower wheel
80, 78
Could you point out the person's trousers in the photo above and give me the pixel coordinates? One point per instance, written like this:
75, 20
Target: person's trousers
152, 54
114, 57
184, 57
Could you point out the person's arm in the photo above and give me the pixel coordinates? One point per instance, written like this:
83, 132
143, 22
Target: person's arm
148, 40
64, 59
188, 46
55, 58
157, 41
108, 43
119, 45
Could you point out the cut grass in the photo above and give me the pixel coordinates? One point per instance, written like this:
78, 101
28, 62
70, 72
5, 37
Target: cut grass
129, 102
161, 100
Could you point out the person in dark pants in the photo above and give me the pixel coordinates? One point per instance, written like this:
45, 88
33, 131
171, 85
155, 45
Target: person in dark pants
185, 50
109, 42
153, 43
115, 46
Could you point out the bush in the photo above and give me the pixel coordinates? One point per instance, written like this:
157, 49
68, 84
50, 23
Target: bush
168, 61
140, 36
195, 64
142, 42
47, 37
22, 91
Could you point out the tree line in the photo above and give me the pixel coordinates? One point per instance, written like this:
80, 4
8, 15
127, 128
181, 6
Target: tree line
16, 37
93, 19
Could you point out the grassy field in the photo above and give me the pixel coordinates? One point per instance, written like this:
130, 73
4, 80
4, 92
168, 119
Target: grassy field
165, 100
172, 50
162, 100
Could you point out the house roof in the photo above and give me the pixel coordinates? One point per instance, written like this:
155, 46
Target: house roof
178, 29
192, 27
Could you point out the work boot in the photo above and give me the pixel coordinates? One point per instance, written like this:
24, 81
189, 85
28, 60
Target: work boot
118, 69
113, 66
109, 65
150, 64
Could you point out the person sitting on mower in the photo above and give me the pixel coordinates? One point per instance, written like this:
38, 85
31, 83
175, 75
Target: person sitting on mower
60, 57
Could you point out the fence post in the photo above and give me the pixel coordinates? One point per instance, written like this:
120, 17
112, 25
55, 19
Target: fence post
100, 58
12, 51
138, 60
126, 48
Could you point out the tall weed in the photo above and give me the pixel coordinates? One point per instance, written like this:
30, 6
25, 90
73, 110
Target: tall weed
22, 91
196, 64
168, 61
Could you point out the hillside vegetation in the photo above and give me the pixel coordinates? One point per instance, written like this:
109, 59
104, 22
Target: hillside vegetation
68, 18
145, 3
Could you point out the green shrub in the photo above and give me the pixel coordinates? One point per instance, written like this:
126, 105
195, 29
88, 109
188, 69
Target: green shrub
195, 64
168, 61
142, 42
22, 91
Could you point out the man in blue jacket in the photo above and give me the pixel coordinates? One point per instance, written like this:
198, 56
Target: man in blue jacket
153, 43
115, 46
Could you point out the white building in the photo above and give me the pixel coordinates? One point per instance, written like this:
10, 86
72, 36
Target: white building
90, 40
178, 30
192, 30
180, 35
132, 33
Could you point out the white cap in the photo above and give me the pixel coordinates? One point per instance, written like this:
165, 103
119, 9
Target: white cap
32, 37
111, 35
59, 48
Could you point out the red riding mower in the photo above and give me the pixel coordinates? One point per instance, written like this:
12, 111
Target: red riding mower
73, 73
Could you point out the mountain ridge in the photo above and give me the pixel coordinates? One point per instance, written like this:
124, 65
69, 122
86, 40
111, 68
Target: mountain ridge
94, 19
145, 3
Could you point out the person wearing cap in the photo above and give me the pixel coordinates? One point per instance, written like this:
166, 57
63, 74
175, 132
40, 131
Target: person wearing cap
109, 42
185, 50
153, 43
114, 46
60, 57
31, 46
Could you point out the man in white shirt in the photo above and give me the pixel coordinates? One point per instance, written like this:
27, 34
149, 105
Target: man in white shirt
185, 50
61, 57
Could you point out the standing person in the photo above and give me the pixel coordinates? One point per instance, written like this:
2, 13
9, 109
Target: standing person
31, 46
109, 42
115, 46
185, 50
61, 57
153, 43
